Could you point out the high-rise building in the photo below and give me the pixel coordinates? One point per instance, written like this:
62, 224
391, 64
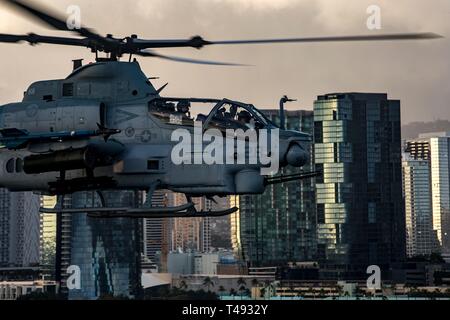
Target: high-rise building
191, 234
361, 221
55, 241
19, 229
235, 227
280, 226
156, 233
107, 251
48, 235
435, 147
221, 226
421, 239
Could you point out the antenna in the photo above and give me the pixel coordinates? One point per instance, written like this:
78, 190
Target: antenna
77, 63
162, 88
284, 100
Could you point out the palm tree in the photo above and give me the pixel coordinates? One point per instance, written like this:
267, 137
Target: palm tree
241, 282
222, 290
208, 283
312, 292
242, 290
437, 293
291, 288
322, 293
263, 292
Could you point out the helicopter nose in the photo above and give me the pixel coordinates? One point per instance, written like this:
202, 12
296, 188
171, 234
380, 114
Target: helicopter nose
297, 156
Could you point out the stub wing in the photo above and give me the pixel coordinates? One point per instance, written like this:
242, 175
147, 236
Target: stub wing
17, 139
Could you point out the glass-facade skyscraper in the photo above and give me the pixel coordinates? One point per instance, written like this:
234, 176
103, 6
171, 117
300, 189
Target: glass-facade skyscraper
435, 147
47, 239
279, 226
360, 214
421, 239
106, 250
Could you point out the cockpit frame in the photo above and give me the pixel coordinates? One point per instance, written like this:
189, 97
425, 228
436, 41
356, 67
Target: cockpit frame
171, 107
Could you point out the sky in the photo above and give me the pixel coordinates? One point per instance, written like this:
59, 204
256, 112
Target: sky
416, 72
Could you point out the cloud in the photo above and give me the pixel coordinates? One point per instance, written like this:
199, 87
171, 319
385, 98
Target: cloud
258, 4
415, 72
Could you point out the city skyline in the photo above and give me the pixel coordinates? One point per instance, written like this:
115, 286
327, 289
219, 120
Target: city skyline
203, 150
331, 110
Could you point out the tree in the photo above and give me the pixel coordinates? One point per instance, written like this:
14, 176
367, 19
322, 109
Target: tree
208, 283
291, 287
322, 293
312, 292
242, 290
255, 283
232, 292
241, 282
263, 292
222, 290
340, 290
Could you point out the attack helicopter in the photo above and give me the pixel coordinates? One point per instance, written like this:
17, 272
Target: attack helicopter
106, 127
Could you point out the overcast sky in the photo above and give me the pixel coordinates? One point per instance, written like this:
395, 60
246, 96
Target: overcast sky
418, 73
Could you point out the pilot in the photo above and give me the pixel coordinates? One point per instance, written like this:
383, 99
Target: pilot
233, 112
184, 109
246, 119
221, 113
169, 106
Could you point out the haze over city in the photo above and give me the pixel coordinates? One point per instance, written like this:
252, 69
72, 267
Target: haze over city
416, 72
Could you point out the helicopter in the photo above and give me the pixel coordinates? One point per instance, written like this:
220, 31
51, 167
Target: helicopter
106, 127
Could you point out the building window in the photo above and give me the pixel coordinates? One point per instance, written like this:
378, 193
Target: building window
372, 213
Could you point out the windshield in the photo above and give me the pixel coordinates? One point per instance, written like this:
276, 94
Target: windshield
263, 117
225, 114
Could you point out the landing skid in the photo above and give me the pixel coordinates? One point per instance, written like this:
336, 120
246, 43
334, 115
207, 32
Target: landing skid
143, 213
147, 211
185, 211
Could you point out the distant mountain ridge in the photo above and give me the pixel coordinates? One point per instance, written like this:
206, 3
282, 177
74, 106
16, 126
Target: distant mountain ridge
414, 129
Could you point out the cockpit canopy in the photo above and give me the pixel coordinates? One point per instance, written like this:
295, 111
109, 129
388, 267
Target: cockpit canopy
225, 114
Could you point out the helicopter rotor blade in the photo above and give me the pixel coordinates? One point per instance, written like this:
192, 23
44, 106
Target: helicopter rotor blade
12, 38
379, 37
51, 19
148, 53
198, 42
117, 47
36, 39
